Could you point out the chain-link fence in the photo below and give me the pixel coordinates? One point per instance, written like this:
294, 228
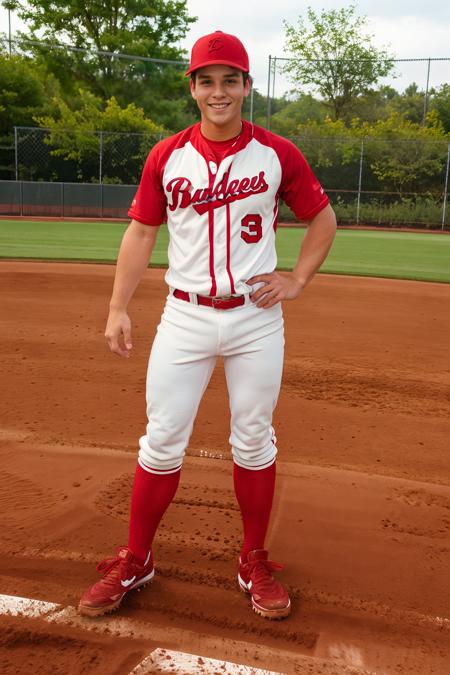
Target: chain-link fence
425, 75
381, 181
74, 156
372, 181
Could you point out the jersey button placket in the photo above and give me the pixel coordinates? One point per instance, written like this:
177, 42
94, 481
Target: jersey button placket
211, 225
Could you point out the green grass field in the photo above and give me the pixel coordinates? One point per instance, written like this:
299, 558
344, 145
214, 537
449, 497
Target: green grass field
400, 255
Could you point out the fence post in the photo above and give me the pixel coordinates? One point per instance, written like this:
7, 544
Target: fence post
425, 103
100, 170
16, 154
100, 178
360, 182
274, 67
268, 92
9, 30
444, 205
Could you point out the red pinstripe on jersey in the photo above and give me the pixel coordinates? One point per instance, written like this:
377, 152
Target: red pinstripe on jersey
232, 289
213, 289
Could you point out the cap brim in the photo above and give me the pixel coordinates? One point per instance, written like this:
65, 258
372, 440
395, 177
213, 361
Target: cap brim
216, 63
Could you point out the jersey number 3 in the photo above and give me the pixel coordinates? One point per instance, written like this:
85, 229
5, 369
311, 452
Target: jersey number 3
251, 228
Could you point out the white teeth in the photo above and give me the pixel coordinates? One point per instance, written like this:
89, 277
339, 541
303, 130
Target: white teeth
219, 106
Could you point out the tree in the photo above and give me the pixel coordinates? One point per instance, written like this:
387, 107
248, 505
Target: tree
25, 91
374, 105
333, 54
285, 122
410, 103
123, 136
440, 101
406, 156
150, 28
399, 155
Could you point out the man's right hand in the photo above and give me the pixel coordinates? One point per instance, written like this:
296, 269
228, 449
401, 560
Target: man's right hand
118, 333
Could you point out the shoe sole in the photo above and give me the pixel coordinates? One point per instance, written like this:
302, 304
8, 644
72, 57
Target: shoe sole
271, 614
92, 612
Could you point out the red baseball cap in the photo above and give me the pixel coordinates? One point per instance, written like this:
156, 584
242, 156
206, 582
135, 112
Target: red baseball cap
218, 47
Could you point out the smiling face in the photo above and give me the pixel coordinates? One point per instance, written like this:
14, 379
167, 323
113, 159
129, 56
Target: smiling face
220, 91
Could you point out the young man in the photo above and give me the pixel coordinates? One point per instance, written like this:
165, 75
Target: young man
217, 185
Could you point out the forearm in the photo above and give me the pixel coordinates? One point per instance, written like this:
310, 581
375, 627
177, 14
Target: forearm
316, 245
134, 255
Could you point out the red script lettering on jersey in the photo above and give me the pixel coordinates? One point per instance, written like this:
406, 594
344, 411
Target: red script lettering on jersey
202, 199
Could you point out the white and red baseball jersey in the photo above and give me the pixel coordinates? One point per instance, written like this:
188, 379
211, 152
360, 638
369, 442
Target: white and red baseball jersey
221, 207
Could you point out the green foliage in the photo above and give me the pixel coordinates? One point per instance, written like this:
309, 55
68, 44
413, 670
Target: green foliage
150, 28
440, 102
332, 53
410, 104
25, 91
260, 107
398, 155
305, 108
382, 209
403, 154
74, 136
424, 210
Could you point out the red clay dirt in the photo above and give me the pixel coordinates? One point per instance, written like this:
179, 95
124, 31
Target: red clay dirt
362, 514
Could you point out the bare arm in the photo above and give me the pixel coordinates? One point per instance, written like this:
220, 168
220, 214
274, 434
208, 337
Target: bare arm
132, 261
314, 250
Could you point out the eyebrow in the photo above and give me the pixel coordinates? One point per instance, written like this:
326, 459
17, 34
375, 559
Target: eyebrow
234, 73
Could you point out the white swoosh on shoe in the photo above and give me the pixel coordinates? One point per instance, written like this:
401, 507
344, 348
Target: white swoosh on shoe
126, 582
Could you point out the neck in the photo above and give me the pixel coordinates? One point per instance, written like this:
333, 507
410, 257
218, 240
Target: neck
220, 133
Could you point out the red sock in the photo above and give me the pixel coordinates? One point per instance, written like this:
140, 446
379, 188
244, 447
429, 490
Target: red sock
152, 494
254, 492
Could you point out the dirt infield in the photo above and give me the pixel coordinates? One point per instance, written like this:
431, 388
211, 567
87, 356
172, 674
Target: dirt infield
362, 515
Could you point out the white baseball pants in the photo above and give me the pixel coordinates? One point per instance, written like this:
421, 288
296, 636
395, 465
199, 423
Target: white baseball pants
189, 339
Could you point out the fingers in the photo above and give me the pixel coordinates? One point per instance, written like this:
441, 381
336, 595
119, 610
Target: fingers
257, 295
267, 295
118, 335
260, 278
271, 283
127, 339
270, 299
277, 287
117, 348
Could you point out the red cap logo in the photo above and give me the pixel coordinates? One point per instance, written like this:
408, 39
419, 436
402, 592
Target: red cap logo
215, 44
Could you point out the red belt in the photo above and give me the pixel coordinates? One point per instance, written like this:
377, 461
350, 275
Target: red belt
217, 303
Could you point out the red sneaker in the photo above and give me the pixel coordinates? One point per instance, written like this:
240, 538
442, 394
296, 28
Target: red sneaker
269, 598
120, 575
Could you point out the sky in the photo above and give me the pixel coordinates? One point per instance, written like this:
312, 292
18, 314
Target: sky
408, 28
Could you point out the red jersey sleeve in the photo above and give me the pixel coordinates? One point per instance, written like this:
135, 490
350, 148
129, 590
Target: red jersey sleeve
149, 204
299, 187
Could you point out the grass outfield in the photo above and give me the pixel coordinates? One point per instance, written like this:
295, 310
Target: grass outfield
400, 255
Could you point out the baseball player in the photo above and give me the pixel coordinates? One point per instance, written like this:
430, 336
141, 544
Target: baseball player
217, 185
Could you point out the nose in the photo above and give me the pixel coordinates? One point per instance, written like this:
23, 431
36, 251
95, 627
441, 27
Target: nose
218, 91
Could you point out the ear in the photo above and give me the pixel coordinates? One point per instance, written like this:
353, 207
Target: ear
247, 86
192, 87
